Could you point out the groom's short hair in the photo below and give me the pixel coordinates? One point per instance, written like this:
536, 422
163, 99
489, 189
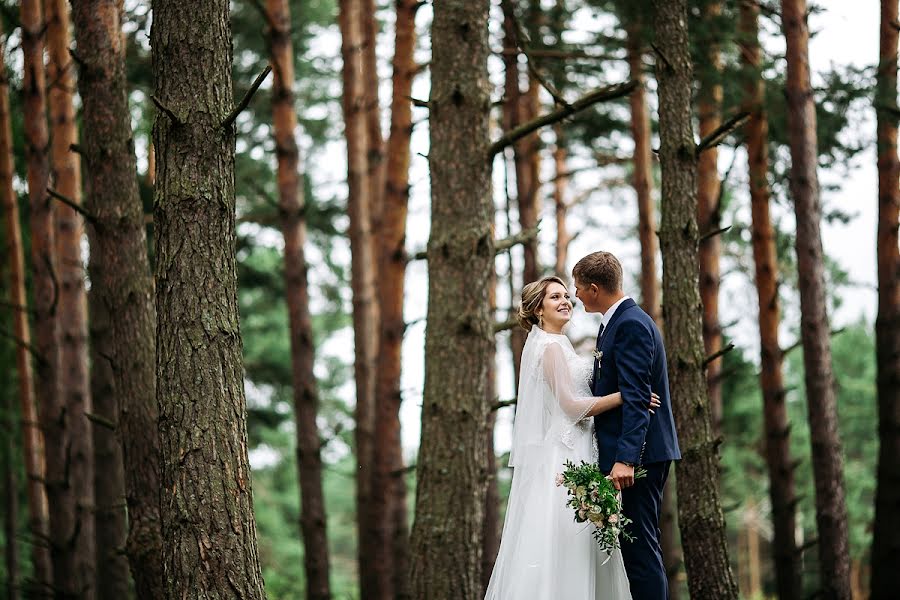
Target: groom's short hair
600, 268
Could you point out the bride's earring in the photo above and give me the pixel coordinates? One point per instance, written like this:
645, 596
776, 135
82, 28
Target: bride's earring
541, 321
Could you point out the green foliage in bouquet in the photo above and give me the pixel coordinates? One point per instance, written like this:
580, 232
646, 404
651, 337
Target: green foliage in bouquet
595, 499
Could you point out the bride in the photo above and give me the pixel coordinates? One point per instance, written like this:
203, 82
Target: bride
544, 554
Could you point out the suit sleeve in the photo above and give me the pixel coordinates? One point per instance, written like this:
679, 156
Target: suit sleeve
634, 357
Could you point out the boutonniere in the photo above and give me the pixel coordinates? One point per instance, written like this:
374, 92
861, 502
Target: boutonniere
598, 355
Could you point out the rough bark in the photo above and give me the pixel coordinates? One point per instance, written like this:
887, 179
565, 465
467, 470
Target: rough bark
293, 227
786, 555
831, 510
389, 484
123, 323
65, 178
886, 539
373, 578
45, 276
32, 438
206, 499
700, 514
709, 107
10, 506
451, 468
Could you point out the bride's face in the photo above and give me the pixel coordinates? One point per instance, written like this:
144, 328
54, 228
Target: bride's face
556, 307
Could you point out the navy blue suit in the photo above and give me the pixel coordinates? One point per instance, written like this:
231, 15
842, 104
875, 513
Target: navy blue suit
633, 362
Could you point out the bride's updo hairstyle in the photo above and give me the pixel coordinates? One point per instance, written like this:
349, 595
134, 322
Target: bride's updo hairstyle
532, 298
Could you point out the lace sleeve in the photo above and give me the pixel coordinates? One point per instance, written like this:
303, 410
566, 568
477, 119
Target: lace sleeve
556, 373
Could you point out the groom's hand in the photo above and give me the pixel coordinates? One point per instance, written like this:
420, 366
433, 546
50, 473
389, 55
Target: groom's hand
622, 475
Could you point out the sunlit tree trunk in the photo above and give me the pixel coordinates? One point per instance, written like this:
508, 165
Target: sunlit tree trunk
45, 274
389, 483
700, 513
375, 172
886, 538
65, 177
709, 107
831, 509
32, 438
293, 227
374, 579
560, 189
450, 495
786, 555
206, 498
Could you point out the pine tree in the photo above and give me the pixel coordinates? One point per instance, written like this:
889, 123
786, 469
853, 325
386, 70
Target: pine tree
32, 439
831, 510
699, 508
451, 478
885, 549
787, 563
210, 548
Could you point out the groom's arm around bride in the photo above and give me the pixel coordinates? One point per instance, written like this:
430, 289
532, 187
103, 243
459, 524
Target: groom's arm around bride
631, 358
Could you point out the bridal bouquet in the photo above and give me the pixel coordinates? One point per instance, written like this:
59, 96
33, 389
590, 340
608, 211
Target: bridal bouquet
594, 499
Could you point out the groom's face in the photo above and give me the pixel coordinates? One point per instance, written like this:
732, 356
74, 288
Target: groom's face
589, 294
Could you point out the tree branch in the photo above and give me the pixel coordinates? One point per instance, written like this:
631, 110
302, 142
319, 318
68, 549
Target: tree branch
419, 103
166, 110
716, 136
20, 342
586, 101
71, 204
245, 101
515, 240
98, 420
718, 354
505, 325
712, 234
503, 404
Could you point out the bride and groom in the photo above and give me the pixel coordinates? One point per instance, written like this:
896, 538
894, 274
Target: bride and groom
544, 554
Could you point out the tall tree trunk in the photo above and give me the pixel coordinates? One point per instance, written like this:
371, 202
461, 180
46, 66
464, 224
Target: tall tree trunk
560, 188
32, 438
11, 502
786, 555
123, 313
643, 176
512, 116
206, 499
451, 468
45, 277
708, 215
642, 180
490, 536
886, 539
831, 510
373, 578
389, 483
65, 177
699, 507
375, 172
293, 227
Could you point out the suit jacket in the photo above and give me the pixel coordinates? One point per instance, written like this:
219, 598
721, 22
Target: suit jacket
633, 362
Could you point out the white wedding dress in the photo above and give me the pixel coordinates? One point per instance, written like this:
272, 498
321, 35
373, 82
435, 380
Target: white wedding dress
544, 554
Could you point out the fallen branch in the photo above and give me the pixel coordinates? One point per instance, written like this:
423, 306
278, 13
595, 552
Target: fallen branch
604, 94
719, 133
245, 101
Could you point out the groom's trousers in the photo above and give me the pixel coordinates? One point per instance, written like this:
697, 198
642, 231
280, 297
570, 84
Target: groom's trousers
642, 503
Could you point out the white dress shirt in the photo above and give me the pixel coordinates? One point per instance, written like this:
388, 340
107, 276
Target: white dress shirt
608, 315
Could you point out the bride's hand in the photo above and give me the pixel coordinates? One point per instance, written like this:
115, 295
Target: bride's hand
654, 402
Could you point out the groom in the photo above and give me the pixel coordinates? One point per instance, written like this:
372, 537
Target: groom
631, 359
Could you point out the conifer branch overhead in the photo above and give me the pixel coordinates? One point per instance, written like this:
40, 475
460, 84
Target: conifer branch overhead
600, 95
